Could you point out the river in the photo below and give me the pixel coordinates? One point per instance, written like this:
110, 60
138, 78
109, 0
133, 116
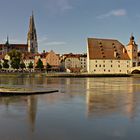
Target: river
83, 109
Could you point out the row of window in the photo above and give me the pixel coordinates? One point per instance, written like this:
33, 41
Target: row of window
110, 66
110, 61
109, 70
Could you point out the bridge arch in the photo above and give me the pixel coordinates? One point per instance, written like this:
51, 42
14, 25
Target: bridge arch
135, 71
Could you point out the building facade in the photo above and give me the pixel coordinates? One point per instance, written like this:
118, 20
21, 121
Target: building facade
108, 56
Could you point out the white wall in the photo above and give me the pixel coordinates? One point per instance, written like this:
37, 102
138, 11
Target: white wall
109, 66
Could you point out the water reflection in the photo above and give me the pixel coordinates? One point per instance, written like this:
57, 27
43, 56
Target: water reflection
112, 95
84, 108
31, 107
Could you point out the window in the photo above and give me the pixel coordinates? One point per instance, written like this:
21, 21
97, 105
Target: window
118, 61
103, 65
94, 70
95, 65
119, 66
111, 65
111, 61
134, 64
120, 70
104, 69
108, 70
99, 65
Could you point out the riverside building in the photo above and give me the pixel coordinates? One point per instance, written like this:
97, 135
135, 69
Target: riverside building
109, 56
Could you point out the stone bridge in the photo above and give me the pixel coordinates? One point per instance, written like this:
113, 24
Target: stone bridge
135, 69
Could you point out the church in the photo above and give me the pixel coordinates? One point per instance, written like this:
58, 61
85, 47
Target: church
31, 46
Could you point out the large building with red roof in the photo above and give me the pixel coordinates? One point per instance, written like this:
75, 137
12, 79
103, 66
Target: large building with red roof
109, 56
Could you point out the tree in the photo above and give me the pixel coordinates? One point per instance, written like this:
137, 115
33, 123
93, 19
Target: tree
5, 64
30, 66
39, 64
0, 66
48, 67
14, 54
15, 57
22, 65
15, 63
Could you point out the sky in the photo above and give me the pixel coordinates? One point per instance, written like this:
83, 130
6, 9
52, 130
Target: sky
64, 25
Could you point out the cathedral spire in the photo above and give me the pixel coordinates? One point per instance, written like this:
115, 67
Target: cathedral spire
7, 41
32, 36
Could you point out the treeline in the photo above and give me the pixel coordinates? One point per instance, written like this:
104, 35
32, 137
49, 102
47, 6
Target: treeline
16, 62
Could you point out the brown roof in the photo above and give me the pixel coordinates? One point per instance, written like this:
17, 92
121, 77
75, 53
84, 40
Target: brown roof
15, 46
106, 49
28, 55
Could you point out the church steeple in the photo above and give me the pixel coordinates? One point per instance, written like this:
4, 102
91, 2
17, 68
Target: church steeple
32, 36
7, 41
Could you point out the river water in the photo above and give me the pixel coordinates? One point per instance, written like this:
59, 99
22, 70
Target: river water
83, 109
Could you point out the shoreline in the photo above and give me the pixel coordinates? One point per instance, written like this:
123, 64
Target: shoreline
67, 75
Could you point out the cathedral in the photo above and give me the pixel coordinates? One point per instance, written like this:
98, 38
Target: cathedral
31, 46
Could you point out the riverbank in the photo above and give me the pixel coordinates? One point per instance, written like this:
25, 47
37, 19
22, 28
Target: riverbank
76, 75
84, 75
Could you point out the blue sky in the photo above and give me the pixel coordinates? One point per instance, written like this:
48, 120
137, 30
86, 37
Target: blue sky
65, 25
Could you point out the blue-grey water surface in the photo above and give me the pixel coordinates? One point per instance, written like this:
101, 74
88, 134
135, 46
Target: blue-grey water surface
83, 109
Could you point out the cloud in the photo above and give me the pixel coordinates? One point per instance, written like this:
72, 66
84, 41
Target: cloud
116, 13
44, 41
55, 6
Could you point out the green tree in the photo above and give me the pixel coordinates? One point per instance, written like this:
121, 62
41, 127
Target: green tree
15, 57
15, 63
30, 66
22, 65
48, 67
0, 66
39, 64
5, 64
14, 54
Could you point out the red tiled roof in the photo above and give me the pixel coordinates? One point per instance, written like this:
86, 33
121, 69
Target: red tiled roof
106, 49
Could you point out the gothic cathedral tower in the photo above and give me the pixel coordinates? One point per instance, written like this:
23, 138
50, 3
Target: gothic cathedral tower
32, 37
